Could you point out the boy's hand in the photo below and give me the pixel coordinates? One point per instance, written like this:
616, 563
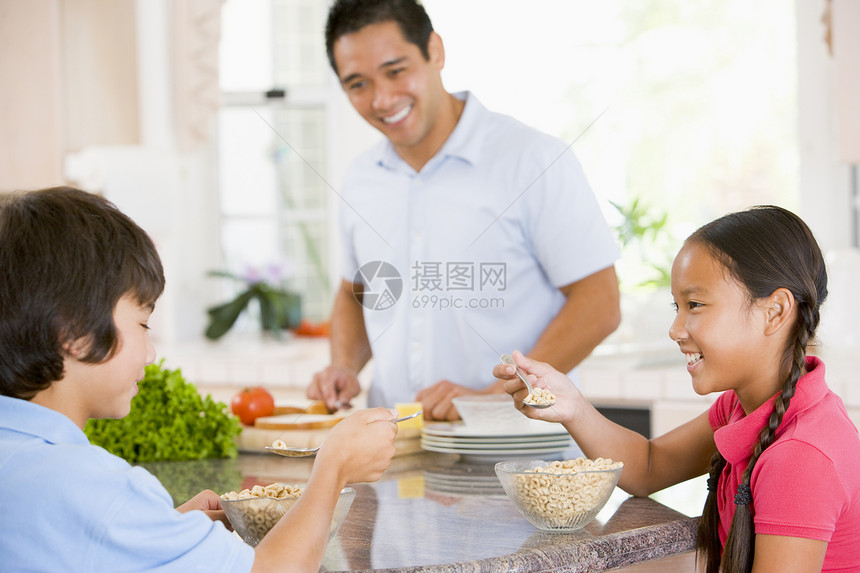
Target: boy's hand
362, 445
209, 503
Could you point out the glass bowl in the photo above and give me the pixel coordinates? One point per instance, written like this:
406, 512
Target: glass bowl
253, 517
557, 502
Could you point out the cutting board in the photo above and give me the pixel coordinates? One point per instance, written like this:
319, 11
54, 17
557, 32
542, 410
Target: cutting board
254, 440
298, 421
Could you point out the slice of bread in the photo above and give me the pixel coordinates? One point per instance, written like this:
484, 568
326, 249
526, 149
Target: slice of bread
298, 421
310, 407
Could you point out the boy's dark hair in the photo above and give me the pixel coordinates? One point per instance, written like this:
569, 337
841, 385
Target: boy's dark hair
764, 249
348, 16
66, 258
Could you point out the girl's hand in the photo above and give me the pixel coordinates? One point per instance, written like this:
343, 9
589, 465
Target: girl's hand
540, 375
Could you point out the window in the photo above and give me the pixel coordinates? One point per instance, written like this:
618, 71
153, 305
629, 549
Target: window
688, 106
272, 150
693, 103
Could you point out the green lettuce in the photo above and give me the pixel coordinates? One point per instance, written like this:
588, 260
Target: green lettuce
169, 420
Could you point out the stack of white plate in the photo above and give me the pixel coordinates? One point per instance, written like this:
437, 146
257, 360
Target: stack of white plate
541, 441
463, 478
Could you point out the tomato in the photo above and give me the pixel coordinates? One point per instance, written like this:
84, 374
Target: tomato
308, 328
252, 403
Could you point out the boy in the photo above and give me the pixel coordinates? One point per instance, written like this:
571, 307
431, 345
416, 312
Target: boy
78, 282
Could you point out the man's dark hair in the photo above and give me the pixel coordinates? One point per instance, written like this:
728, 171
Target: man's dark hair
66, 258
348, 16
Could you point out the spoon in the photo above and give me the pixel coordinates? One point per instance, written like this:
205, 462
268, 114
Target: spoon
305, 452
508, 359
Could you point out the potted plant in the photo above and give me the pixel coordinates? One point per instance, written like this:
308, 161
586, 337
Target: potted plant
279, 308
644, 277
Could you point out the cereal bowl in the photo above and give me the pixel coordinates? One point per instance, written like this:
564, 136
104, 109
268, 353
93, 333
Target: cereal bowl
252, 516
559, 496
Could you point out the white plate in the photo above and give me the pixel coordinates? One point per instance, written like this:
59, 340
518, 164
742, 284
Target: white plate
455, 489
494, 454
460, 430
542, 444
506, 440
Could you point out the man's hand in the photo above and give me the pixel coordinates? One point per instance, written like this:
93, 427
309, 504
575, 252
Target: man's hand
335, 386
437, 400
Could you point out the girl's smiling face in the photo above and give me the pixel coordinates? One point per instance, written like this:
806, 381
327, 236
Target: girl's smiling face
718, 328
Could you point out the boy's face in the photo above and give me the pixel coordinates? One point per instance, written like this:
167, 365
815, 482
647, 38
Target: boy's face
112, 384
389, 83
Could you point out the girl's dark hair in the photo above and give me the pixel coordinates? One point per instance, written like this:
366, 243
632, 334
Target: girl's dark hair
764, 249
348, 16
66, 258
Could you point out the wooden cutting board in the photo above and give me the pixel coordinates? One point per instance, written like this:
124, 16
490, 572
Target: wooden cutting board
298, 421
254, 440
304, 407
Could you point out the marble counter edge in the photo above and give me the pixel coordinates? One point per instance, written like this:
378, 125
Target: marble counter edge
582, 556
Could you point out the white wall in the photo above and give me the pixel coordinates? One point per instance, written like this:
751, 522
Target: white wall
825, 182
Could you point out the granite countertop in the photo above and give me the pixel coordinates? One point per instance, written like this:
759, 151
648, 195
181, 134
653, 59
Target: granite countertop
441, 513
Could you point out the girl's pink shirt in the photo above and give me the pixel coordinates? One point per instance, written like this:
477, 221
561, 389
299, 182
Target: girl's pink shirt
807, 483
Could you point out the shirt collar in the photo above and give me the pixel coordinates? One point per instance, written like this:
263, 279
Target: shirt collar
735, 439
464, 142
25, 417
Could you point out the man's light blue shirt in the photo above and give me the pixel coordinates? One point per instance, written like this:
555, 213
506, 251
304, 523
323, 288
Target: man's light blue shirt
482, 238
67, 505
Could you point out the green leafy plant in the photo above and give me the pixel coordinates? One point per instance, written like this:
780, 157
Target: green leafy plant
638, 222
643, 236
169, 420
279, 308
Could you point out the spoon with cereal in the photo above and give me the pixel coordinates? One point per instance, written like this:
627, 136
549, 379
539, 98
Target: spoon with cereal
538, 397
282, 449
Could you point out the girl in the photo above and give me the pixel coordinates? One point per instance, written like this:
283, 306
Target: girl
783, 458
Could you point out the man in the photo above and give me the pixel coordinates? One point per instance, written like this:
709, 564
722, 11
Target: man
466, 234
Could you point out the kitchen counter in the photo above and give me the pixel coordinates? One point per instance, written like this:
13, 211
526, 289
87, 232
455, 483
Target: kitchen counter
441, 513
653, 378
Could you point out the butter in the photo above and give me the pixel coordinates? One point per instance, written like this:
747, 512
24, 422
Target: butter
411, 487
406, 408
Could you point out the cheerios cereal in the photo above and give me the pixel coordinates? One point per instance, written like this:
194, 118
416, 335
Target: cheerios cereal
275, 490
559, 500
265, 506
540, 396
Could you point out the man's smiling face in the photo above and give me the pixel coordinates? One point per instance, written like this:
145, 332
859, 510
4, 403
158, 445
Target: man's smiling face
391, 85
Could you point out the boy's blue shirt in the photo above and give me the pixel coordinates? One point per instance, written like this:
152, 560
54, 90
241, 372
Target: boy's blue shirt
66, 505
